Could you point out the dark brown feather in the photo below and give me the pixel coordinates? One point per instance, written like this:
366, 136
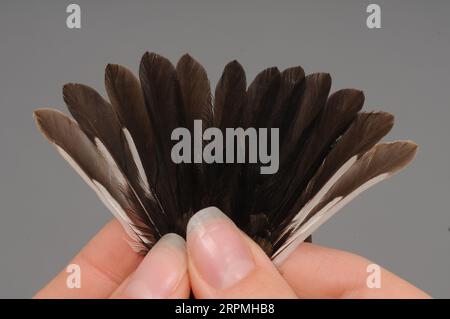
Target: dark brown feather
197, 105
362, 135
229, 103
377, 164
65, 133
127, 102
123, 149
163, 101
308, 101
195, 92
339, 112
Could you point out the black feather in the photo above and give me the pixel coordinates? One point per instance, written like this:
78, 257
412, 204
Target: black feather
229, 104
163, 101
197, 105
122, 148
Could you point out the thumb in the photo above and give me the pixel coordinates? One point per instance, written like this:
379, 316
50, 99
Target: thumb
224, 263
162, 273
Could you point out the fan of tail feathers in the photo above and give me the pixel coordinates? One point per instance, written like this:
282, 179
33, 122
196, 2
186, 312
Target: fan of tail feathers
328, 151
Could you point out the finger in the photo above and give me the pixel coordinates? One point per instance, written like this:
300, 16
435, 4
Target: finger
224, 263
319, 272
103, 263
162, 274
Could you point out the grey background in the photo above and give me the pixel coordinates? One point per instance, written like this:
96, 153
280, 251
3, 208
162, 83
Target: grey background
47, 213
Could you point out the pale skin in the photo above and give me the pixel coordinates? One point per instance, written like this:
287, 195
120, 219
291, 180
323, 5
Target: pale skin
239, 269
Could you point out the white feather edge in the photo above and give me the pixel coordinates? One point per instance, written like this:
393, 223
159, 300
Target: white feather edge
298, 219
137, 160
142, 174
321, 217
300, 234
118, 174
106, 198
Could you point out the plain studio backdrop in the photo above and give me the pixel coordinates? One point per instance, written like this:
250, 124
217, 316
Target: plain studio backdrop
47, 213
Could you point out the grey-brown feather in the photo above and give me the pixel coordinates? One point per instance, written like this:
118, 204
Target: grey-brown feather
66, 134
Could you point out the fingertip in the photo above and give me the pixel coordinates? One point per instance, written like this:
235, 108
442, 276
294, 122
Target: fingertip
162, 273
224, 263
217, 249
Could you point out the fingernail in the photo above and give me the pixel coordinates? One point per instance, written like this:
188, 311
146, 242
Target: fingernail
161, 271
217, 248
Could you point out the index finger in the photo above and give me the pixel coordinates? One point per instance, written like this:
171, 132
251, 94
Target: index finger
104, 263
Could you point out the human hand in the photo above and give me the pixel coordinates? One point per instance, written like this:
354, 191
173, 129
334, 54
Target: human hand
218, 261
